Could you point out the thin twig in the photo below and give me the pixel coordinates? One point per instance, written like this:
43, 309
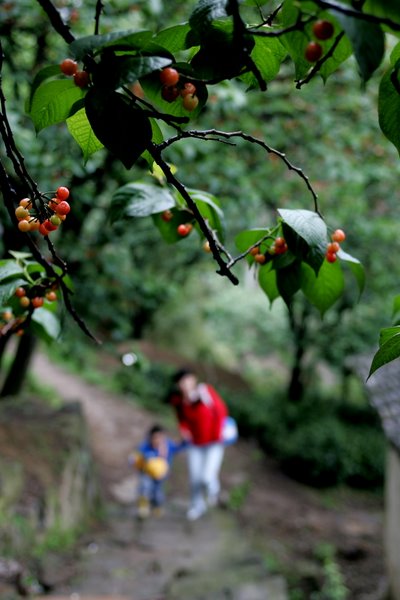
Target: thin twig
205, 134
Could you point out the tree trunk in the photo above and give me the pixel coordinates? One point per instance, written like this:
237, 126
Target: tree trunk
16, 375
298, 326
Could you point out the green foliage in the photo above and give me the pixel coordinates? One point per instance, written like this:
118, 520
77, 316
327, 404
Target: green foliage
109, 113
319, 441
22, 272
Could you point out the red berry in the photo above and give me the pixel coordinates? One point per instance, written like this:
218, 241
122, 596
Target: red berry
38, 301
323, 30
313, 51
55, 220
333, 247
43, 229
81, 79
25, 202
20, 292
63, 208
34, 224
167, 215
51, 296
169, 93
184, 229
49, 225
24, 302
260, 258
331, 257
69, 66
281, 249
24, 226
188, 88
254, 251
62, 193
280, 241
190, 102
21, 212
338, 235
169, 76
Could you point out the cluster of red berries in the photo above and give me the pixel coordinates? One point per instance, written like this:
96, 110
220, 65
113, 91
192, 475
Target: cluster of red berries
29, 221
279, 246
70, 68
29, 298
183, 229
322, 30
172, 89
333, 247
35, 301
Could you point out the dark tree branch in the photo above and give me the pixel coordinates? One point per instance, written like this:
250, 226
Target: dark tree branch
216, 248
99, 10
55, 19
357, 14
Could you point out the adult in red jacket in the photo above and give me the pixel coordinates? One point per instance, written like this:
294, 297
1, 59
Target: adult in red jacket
201, 413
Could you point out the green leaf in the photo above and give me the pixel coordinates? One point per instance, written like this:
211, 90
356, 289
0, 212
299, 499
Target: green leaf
45, 324
396, 307
205, 12
168, 229
22, 256
312, 229
267, 281
7, 290
368, 42
173, 38
296, 41
156, 137
389, 349
131, 38
326, 288
139, 200
356, 267
267, 54
288, 281
52, 102
245, 239
115, 71
82, 132
9, 269
40, 77
231, 47
123, 128
387, 8
209, 210
395, 55
389, 108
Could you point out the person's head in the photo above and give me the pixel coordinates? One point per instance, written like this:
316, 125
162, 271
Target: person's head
156, 436
186, 381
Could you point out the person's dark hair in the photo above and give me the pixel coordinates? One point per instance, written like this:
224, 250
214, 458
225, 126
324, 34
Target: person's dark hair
177, 376
155, 429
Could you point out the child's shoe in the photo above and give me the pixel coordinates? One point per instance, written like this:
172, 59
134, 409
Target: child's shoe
143, 508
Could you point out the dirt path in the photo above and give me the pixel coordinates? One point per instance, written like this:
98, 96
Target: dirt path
228, 554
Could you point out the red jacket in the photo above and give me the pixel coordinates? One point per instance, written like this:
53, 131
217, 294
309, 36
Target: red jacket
202, 420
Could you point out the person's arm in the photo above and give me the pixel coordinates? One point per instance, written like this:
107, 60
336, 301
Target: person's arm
220, 410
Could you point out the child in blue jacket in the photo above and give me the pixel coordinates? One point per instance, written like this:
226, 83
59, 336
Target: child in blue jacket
153, 459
